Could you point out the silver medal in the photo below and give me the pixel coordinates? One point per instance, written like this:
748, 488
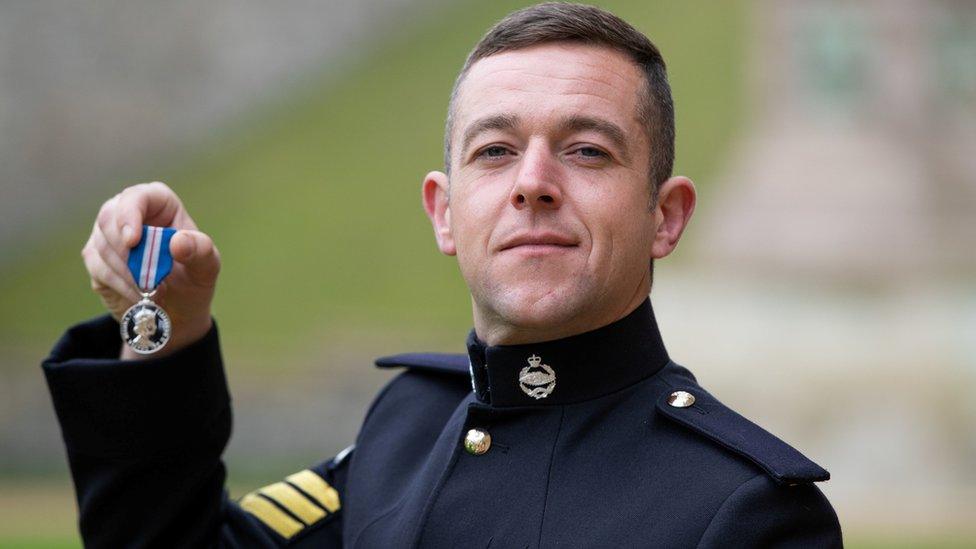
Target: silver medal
145, 327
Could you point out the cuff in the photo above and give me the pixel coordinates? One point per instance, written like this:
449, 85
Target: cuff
119, 408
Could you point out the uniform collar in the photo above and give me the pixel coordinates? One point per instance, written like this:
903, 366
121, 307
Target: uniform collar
568, 370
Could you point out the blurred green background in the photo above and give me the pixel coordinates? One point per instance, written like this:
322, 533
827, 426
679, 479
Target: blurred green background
311, 190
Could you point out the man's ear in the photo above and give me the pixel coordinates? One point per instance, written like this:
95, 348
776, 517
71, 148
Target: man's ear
438, 208
675, 204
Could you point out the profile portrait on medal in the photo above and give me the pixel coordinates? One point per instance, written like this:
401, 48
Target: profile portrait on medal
145, 327
536, 189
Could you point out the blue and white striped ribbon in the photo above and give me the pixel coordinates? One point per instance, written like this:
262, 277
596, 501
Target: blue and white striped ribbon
150, 261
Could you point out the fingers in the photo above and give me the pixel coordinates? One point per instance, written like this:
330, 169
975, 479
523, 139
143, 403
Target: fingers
116, 259
198, 254
104, 279
147, 203
118, 227
106, 223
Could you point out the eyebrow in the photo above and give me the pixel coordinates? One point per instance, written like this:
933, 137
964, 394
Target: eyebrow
495, 122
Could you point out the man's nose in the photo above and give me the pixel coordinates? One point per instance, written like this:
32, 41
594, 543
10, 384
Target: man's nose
536, 184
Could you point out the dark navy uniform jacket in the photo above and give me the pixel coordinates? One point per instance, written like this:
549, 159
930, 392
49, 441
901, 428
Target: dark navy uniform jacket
596, 440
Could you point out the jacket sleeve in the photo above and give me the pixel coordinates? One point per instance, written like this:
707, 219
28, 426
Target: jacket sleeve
762, 513
144, 441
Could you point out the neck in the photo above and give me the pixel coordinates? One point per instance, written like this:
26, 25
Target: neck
495, 328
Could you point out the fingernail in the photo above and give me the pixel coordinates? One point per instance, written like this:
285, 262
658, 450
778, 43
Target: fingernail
126, 234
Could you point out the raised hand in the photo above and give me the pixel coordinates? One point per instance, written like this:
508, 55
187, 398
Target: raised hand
186, 294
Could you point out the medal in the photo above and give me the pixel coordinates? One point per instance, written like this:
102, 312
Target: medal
146, 327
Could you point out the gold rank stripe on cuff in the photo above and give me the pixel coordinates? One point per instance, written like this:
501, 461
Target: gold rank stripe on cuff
293, 501
268, 513
317, 487
289, 507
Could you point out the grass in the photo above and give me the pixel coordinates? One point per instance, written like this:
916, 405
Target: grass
314, 201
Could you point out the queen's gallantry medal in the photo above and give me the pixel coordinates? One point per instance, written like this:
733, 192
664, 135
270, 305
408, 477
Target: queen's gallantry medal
145, 327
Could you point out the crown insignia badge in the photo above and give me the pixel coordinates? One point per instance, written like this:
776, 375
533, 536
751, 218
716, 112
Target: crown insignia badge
537, 379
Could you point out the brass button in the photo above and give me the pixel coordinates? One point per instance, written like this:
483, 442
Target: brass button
681, 399
477, 442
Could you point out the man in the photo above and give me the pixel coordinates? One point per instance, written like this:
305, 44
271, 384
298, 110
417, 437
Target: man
565, 425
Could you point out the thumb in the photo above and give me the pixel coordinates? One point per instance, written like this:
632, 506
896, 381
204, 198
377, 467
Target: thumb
198, 254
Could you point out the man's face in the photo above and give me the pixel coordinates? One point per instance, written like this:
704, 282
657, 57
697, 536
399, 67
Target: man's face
548, 208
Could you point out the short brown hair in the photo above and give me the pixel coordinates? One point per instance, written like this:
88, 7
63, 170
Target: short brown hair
564, 22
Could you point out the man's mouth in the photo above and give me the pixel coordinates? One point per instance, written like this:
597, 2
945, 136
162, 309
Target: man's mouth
536, 243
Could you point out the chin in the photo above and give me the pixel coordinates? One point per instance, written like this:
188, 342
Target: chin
537, 306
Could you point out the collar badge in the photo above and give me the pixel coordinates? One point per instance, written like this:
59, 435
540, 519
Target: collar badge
537, 379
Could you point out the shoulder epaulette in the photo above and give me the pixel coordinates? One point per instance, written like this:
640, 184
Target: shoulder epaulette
696, 409
432, 362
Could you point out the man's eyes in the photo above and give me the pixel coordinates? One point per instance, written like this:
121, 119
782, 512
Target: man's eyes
590, 152
495, 151
586, 153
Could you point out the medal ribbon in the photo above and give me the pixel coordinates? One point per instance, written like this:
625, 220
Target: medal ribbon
150, 261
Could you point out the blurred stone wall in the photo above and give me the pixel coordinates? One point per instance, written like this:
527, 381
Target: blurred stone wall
859, 150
